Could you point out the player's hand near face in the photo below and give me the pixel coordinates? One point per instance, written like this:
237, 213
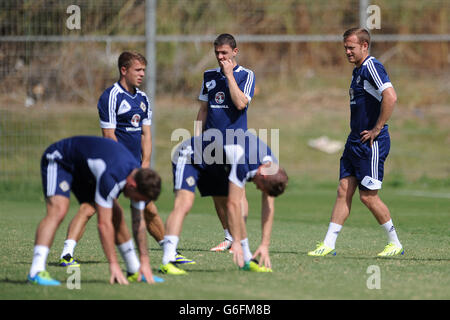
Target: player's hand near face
227, 67
116, 274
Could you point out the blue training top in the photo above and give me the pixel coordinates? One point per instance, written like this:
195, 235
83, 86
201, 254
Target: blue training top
222, 113
107, 162
368, 82
126, 113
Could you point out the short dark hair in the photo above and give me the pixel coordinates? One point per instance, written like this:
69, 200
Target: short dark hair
148, 183
275, 184
126, 59
225, 38
362, 34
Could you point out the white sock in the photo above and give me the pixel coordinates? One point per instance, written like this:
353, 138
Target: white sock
391, 233
40, 254
228, 235
170, 249
126, 249
246, 250
161, 243
69, 247
332, 234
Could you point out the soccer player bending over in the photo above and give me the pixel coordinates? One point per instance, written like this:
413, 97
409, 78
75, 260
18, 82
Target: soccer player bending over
250, 162
96, 170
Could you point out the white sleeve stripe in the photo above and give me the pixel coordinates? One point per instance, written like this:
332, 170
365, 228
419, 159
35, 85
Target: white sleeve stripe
115, 190
109, 103
201, 96
249, 83
149, 107
374, 74
107, 125
108, 202
385, 86
236, 181
112, 105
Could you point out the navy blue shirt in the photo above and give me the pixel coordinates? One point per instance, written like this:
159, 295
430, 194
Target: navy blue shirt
222, 113
126, 113
100, 159
368, 82
245, 157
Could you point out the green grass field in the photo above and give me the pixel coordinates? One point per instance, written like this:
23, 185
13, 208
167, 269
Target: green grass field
301, 219
416, 188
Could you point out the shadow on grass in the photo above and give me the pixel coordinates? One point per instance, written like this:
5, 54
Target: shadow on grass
398, 258
25, 282
81, 262
226, 251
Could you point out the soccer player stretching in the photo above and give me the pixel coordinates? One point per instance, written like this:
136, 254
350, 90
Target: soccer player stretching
372, 100
96, 170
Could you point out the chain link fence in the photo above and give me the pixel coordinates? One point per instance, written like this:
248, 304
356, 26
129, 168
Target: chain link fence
57, 56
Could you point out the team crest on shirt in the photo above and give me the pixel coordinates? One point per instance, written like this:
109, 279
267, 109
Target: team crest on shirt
220, 97
190, 181
64, 186
358, 80
135, 120
143, 106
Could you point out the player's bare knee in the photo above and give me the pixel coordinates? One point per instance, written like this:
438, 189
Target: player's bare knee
367, 199
342, 191
87, 210
57, 208
233, 205
182, 209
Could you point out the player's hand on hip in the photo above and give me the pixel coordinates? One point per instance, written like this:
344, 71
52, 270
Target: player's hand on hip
116, 274
370, 135
238, 254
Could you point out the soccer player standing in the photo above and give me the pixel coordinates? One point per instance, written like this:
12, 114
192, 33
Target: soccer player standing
224, 99
125, 116
372, 100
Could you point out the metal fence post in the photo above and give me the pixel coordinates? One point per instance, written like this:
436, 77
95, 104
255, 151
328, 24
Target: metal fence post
363, 4
150, 52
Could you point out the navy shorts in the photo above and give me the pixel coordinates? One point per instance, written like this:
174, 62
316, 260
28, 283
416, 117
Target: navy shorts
57, 178
211, 181
364, 162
